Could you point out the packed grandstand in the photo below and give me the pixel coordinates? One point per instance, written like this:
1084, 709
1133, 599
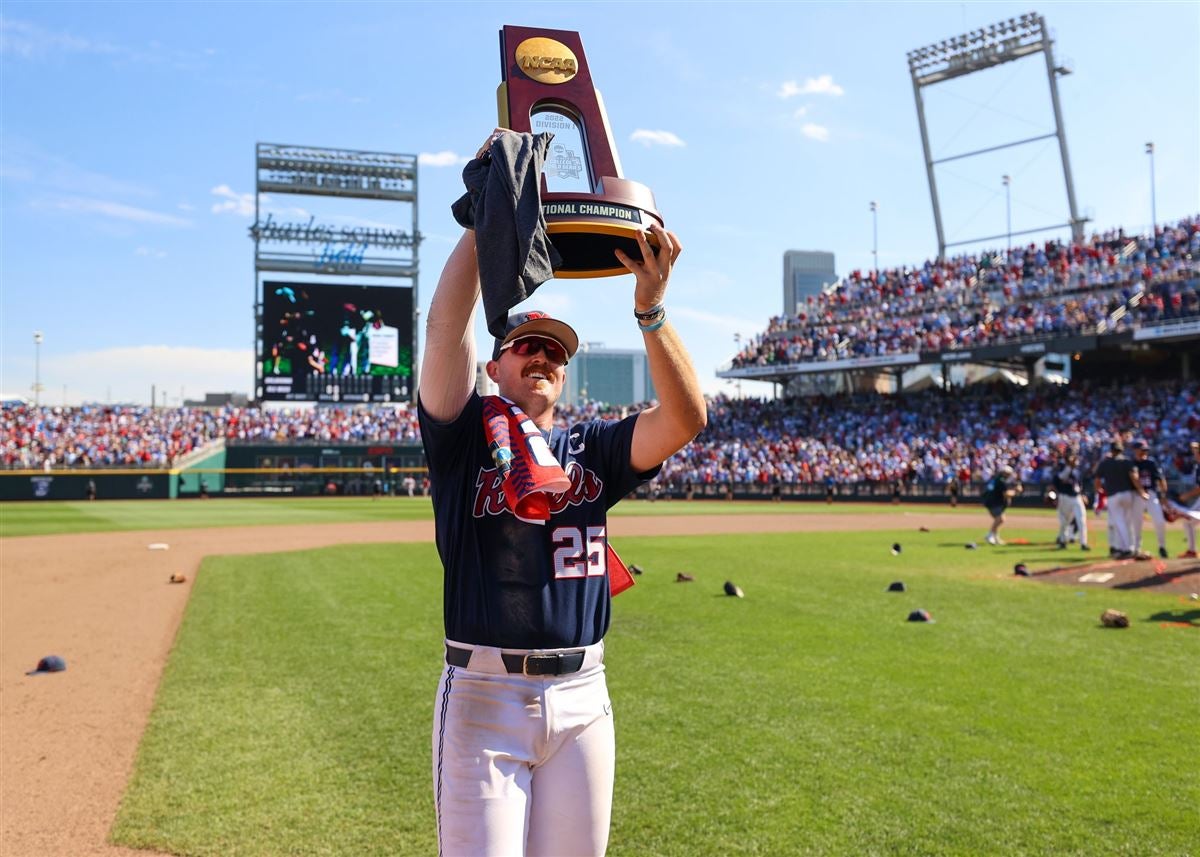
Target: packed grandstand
1105, 284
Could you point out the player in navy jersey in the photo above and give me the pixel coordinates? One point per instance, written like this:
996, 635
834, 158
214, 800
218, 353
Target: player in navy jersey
523, 748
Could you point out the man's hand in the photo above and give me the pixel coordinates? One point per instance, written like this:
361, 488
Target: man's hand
492, 138
655, 268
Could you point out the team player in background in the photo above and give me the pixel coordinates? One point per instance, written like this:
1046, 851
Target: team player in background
1191, 499
1154, 484
1118, 478
998, 493
1072, 510
523, 740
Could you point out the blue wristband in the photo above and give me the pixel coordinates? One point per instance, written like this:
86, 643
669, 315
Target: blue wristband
650, 328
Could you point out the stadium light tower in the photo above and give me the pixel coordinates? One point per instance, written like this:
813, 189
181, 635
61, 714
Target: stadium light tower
875, 236
37, 368
975, 51
1153, 212
737, 349
1007, 180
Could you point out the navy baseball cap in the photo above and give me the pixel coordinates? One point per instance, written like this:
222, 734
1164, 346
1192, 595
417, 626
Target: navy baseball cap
538, 324
1140, 444
49, 664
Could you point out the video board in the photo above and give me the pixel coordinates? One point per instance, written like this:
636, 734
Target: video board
327, 342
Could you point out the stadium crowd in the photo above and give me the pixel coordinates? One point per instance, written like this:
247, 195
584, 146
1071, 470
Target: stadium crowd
1108, 283
121, 436
930, 437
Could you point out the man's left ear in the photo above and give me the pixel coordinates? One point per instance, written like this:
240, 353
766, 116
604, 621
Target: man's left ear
493, 370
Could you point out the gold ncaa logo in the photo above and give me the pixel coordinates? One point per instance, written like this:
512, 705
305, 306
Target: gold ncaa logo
546, 60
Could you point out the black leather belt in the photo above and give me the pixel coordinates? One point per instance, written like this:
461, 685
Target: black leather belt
551, 663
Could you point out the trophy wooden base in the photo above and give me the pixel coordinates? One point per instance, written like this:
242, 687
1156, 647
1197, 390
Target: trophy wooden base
586, 228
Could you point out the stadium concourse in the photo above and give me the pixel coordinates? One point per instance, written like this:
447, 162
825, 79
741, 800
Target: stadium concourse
987, 299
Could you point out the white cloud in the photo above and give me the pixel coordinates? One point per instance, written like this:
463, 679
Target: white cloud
820, 85
655, 138
241, 204
150, 252
114, 210
813, 131
186, 206
28, 41
800, 113
130, 371
444, 158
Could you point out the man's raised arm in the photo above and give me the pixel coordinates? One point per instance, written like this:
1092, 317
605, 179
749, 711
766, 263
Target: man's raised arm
448, 368
680, 414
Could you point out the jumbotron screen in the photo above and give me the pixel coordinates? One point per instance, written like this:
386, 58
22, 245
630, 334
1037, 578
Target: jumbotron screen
325, 342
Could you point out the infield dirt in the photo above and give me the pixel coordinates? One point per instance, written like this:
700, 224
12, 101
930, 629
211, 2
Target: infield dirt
104, 603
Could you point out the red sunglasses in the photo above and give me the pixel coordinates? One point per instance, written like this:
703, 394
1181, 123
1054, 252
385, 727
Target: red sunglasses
527, 346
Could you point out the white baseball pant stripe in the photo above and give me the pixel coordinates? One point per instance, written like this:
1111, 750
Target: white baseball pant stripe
523, 766
1154, 507
1121, 517
1072, 508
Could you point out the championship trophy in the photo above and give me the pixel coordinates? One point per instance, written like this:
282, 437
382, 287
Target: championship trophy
590, 209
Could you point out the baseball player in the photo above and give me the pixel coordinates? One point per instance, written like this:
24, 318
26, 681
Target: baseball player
1153, 482
1191, 499
1068, 485
1118, 477
997, 494
523, 742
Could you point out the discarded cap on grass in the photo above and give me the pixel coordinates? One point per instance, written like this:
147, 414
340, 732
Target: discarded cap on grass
971, 546
896, 586
49, 664
895, 548
922, 529
920, 616
683, 578
1021, 570
731, 589
635, 569
1114, 619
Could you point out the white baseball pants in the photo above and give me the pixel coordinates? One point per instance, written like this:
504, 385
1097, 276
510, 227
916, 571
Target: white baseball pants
522, 765
1189, 526
1122, 515
1072, 509
1154, 507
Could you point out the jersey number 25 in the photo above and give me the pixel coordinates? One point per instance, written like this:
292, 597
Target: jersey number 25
575, 556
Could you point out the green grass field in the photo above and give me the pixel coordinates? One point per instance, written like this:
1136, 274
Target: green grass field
52, 517
809, 718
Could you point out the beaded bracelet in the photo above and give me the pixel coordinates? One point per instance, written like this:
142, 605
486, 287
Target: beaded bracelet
650, 328
651, 314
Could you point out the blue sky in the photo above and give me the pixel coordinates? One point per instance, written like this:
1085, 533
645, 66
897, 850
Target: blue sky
127, 134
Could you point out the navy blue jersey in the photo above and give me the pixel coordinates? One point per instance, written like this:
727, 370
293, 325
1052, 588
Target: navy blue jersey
1149, 473
514, 584
1068, 480
1116, 475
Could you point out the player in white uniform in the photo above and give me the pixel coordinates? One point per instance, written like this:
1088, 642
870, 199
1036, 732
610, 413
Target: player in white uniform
1155, 486
1191, 497
523, 747
1118, 478
1068, 483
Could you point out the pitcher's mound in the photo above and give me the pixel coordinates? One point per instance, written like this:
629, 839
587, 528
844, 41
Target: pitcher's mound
1152, 575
